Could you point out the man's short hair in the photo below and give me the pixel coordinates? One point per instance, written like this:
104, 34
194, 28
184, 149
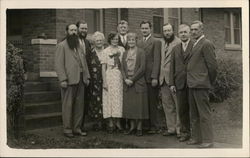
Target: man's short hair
184, 25
198, 22
123, 22
80, 22
146, 22
169, 24
67, 26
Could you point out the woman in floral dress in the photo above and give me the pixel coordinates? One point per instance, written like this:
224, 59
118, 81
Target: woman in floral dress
112, 83
95, 87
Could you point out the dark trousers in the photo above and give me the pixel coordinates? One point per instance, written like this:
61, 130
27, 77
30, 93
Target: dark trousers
153, 97
200, 112
72, 107
183, 110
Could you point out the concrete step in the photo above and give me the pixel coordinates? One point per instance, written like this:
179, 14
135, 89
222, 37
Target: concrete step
36, 121
45, 107
39, 97
41, 86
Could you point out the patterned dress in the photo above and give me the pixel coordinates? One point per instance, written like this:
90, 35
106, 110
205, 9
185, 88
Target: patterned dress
94, 94
113, 98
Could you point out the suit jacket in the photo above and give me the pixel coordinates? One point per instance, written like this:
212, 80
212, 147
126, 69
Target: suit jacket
152, 50
166, 59
139, 73
67, 66
121, 44
202, 66
178, 66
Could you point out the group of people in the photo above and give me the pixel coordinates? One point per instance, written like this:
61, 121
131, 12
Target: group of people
121, 82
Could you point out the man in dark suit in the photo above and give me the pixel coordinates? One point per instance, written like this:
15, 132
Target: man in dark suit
168, 98
122, 29
82, 29
73, 75
201, 74
178, 78
152, 48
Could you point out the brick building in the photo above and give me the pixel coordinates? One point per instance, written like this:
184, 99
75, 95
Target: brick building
25, 28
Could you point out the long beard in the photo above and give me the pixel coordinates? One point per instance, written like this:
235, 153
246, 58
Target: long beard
169, 40
72, 41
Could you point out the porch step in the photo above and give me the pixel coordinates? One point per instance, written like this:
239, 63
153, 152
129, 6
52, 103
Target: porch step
39, 97
41, 86
44, 107
35, 121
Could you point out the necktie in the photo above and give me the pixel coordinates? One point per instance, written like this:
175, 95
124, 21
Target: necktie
184, 46
123, 40
144, 39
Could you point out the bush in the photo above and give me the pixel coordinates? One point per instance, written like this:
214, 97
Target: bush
15, 82
229, 79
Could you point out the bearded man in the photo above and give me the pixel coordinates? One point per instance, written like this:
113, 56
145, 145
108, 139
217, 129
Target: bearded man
73, 75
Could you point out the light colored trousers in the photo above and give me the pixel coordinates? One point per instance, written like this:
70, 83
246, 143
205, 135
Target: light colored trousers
170, 107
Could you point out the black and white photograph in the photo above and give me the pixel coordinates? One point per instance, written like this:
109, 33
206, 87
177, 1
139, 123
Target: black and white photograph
133, 76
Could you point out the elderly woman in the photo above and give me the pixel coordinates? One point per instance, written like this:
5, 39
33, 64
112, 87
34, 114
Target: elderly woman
135, 101
112, 83
94, 94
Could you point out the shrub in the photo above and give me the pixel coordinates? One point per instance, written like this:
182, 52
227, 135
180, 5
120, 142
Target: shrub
15, 82
229, 79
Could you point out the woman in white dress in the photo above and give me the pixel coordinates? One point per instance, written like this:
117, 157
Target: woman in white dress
112, 83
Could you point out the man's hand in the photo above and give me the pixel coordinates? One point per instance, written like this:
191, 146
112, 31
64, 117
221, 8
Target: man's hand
64, 84
154, 82
87, 82
128, 82
173, 89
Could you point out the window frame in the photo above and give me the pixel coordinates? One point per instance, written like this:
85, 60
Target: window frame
158, 35
232, 45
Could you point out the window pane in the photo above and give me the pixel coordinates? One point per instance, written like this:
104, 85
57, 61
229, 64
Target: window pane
236, 36
92, 17
157, 24
227, 36
174, 22
236, 20
158, 11
227, 19
173, 12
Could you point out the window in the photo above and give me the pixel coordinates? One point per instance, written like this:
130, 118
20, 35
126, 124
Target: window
232, 30
157, 22
92, 17
173, 18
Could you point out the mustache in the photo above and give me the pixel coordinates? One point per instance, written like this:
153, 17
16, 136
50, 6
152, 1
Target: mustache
72, 41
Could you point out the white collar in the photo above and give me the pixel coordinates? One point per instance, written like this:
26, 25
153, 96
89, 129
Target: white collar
202, 36
147, 37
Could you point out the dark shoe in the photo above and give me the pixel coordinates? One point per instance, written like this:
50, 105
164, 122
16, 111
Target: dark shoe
183, 138
81, 133
110, 130
178, 135
129, 132
166, 133
206, 145
69, 135
139, 133
192, 142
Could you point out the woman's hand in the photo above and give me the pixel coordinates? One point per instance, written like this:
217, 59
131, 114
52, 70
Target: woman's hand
128, 82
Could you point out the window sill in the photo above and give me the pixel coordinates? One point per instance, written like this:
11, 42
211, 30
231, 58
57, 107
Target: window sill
233, 47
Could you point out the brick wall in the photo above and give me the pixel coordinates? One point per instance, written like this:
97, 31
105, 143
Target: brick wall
189, 14
110, 21
47, 57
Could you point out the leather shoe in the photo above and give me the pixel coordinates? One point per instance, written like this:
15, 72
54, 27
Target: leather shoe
206, 145
69, 135
139, 133
178, 135
192, 142
131, 131
166, 133
183, 138
81, 133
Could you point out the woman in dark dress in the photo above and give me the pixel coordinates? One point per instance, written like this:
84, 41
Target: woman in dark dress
135, 102
95, 87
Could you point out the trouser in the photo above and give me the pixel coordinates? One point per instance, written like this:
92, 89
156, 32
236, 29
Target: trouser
200, 113
183, 110
170, 108
72, 107
153, 96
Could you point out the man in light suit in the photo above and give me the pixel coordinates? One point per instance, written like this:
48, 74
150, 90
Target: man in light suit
178, 78
73, 75
152, 48
122, 29
201, 74
168, 98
